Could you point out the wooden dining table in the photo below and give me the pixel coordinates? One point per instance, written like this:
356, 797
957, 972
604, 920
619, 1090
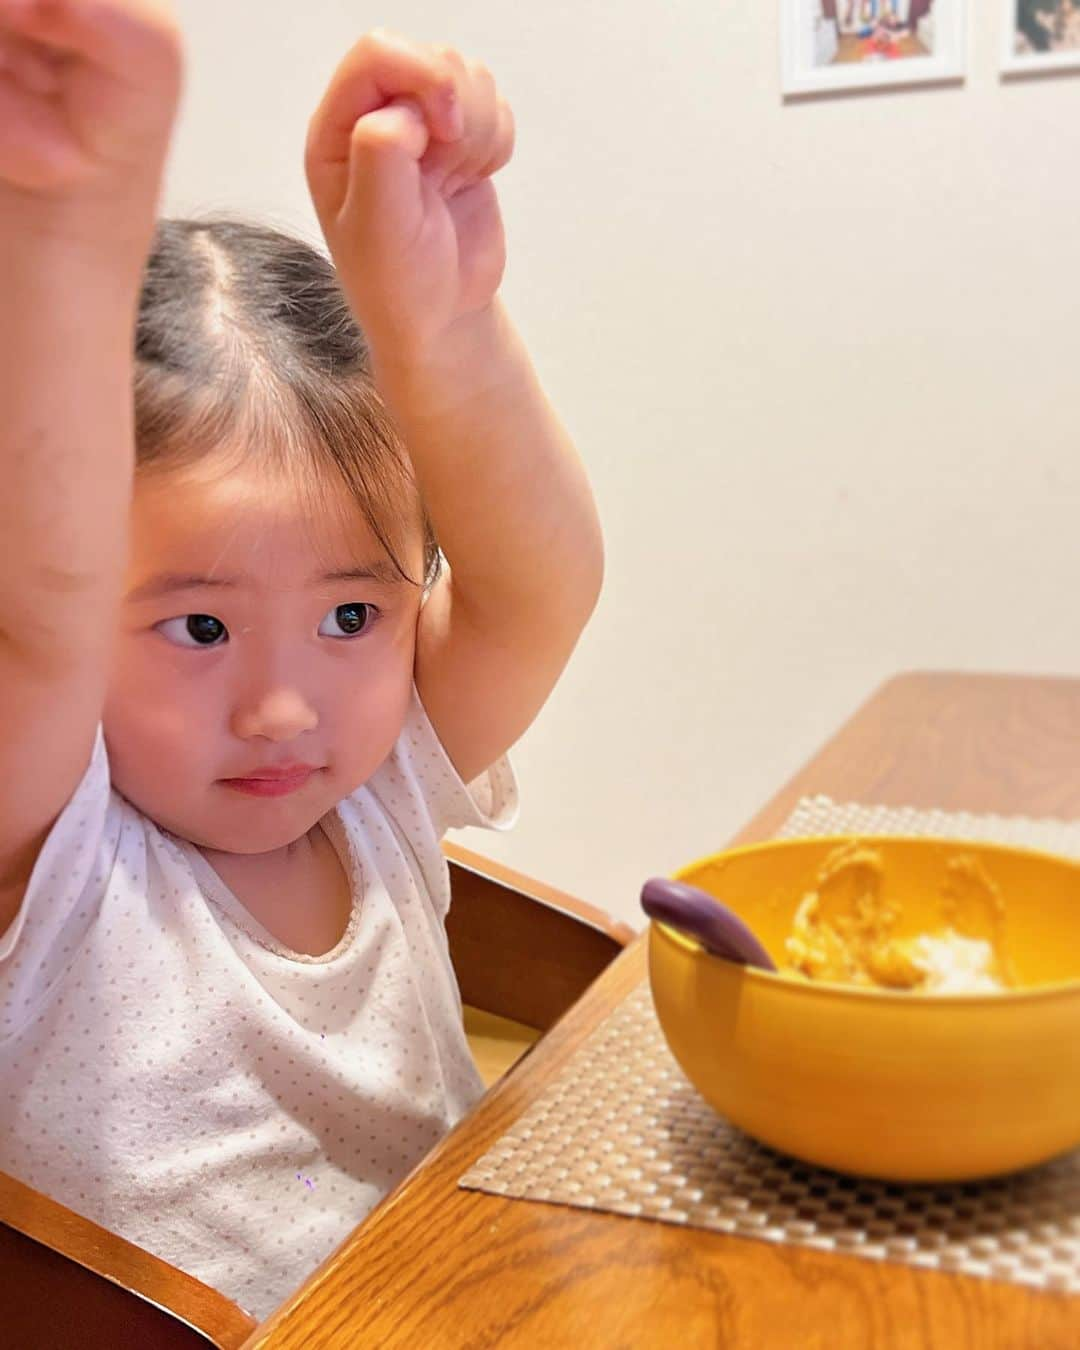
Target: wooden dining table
436, 1266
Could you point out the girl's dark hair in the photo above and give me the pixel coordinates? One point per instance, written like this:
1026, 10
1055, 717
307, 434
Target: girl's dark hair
244, 335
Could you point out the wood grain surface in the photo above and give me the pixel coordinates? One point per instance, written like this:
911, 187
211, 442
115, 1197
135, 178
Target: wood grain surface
435, 1266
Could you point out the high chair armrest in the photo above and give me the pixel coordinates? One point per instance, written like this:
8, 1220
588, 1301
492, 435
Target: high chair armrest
66, 1281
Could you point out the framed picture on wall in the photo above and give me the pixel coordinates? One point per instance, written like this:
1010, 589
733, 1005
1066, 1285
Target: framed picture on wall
1041, 35
862, 44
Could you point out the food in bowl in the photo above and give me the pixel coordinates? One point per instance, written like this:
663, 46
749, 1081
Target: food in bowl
845, 930
881, 1080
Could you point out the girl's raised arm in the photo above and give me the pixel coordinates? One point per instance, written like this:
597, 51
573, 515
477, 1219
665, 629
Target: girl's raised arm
400, 156
88, 90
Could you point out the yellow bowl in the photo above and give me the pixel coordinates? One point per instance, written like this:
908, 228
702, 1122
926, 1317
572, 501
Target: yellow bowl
900, 1085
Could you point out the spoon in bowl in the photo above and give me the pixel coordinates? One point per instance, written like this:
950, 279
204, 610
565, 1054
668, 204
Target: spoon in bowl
705, 919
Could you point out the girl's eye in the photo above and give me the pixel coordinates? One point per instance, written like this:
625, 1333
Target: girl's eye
347, 621
194, 630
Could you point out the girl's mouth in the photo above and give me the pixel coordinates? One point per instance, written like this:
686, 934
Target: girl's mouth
276, 782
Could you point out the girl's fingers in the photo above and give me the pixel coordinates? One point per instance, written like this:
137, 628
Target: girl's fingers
400, 128
502, 146
127, 37
480, 117
486, 143
379, 69
36, 150
383, 144
31, 66
457, 126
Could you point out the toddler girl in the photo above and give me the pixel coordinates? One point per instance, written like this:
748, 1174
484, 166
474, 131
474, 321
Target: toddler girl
241, 700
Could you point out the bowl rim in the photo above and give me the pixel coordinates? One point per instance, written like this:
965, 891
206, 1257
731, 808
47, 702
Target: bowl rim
835, 989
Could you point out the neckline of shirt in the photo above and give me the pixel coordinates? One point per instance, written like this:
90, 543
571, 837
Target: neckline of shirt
236, 912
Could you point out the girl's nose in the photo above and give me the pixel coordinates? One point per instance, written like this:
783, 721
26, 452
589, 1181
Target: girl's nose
277, 715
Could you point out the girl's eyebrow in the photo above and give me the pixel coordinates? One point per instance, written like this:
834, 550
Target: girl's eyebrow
166, 583
384, 572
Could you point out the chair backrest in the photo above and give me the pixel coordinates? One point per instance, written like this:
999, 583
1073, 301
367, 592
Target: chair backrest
66, 1282
520, 948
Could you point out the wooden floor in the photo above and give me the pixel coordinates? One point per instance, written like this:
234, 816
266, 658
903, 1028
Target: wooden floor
851, 49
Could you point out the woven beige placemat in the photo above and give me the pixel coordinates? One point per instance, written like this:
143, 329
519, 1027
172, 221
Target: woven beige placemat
622, 1130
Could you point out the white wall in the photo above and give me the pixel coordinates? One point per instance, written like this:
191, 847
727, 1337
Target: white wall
820, 359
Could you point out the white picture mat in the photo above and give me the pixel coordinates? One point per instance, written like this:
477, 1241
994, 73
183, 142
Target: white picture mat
800, 76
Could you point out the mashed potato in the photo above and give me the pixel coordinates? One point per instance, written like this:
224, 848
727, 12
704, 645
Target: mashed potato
845, 931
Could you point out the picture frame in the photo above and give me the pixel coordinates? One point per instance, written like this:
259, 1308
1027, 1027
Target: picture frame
830, 46
1039, 36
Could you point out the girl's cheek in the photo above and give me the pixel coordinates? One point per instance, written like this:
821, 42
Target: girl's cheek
151, 674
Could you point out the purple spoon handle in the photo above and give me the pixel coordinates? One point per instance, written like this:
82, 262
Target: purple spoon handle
704, 918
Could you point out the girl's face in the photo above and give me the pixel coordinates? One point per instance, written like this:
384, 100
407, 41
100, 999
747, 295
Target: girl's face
264, 660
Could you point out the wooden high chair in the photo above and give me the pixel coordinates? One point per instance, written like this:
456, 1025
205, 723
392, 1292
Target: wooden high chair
523, 954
